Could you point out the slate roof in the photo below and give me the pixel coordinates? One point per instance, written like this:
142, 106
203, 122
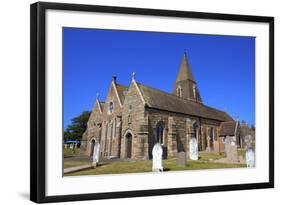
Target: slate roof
185, 70
121, 92
228, 128
155, 98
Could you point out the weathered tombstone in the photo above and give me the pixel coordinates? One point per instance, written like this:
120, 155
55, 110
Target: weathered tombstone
157, 153
250, 153
216, 147
65, 146
193, 149
250, 158
71, 146
181, 159
231, 150
96, 154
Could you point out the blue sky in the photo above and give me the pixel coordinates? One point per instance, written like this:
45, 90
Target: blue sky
223, 66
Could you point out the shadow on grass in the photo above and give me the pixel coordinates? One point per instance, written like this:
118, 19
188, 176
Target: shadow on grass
102, 164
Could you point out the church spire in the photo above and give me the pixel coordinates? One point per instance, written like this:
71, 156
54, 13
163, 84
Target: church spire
185, 70
185, 85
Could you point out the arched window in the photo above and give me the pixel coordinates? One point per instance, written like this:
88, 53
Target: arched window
194, 91
111, 107
160, 134
179, 91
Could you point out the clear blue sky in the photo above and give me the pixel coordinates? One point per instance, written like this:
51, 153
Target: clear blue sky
223, 66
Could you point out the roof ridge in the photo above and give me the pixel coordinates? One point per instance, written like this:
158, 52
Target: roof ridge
117, 84
171, 94
220, 115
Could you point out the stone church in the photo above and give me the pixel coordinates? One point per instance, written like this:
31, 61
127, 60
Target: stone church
133, 118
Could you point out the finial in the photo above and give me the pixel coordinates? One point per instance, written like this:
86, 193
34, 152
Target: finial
184, 50
114, 78
97, 96
134, 76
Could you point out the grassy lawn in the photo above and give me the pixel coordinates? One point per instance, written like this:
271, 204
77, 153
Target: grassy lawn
205, 162
70, 152
68, 164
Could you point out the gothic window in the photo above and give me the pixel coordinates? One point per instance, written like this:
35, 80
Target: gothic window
130, 108
160, 134
129, 119
111, 107
179, 91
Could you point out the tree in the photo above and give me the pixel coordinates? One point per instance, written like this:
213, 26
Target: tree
77, 127
253, 127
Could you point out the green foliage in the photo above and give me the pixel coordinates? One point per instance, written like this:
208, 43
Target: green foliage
253, 127
77, 127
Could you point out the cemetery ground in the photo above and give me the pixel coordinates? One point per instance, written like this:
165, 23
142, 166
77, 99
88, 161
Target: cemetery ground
118, 166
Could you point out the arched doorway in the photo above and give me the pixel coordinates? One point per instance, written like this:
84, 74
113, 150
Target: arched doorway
92, 146
128, 145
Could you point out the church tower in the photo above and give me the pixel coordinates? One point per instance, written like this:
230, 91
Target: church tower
186, 86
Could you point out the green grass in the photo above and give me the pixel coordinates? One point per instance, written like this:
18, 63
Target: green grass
68, 164
145, 166
206, 156
70, 152
242, 152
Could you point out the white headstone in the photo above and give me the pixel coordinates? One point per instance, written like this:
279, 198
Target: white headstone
71, 146
250, 158
96, 153
193, 149
157, 153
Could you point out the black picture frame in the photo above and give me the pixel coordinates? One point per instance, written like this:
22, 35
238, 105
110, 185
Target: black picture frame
38, 100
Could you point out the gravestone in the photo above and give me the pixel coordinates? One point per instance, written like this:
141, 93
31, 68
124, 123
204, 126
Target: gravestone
216, 147
231, 150
96, 154
250, 153
193, 149
65, 146
250, 158
182, 159
71, 146
157, 153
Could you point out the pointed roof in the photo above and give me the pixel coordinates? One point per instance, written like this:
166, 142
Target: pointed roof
228, 128
121, 90
158, 99
185, 70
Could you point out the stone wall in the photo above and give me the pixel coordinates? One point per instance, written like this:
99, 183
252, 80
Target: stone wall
176, 127
135, 122
111, 125
93, 131
135, 119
